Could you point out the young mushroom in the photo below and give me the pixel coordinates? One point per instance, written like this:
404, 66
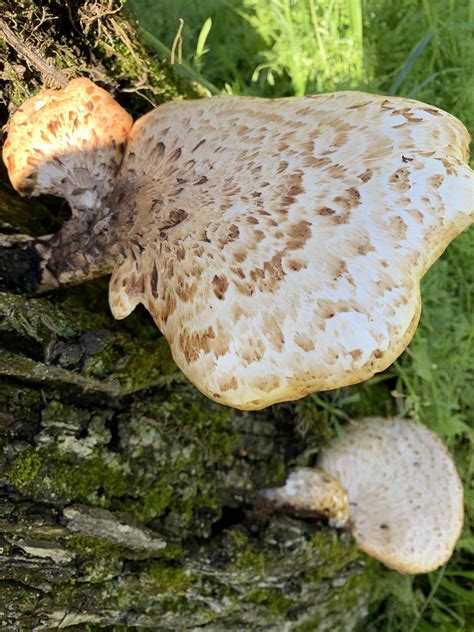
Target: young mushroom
278, 244
405, 496
70, 143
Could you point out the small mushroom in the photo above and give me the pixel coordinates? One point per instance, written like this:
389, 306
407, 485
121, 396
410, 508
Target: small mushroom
67, 142
70, 143
405, 495
278, 244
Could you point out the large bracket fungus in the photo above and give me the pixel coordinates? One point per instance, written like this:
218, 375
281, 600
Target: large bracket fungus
405, 497
278, 244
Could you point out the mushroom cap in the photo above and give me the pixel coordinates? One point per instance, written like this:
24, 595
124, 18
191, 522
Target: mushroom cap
67, 142
405, 495
279, 244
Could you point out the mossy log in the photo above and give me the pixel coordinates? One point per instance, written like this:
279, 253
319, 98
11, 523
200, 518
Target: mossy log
126, 498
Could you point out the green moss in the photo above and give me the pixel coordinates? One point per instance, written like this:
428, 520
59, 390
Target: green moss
77, 337
273, 600
343, 602
48, 474
246, 558
165, 475
162, 479
68, 481
24, 469
97, 559
87, 546
18, 91
167, 578
334, 550
36, 319
134, 366
188, 439
180, 605
80, 592
157, 501
188, 414
87, 304
182, 491
18, 400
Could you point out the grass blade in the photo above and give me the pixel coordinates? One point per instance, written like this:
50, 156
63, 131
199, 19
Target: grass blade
206, 27
184, 68
408, 65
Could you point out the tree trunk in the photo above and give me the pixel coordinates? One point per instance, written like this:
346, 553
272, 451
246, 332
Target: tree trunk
125, 496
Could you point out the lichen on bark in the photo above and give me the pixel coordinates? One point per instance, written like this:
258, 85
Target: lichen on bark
126, 497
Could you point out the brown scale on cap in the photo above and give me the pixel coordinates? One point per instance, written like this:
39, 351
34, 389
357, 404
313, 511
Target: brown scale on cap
405, 497
295, 230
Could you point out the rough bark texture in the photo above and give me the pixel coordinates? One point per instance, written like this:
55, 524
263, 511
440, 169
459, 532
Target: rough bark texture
125, 496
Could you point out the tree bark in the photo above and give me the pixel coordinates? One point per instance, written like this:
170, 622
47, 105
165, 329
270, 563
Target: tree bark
125, 496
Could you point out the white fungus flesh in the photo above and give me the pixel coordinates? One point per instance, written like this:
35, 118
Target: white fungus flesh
405, 495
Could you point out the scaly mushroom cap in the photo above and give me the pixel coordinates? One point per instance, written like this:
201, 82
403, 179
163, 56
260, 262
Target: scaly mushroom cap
67, 142
279, 244
405, 495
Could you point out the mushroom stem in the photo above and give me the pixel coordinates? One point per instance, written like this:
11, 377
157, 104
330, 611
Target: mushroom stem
72, 255
76, 253
310, 492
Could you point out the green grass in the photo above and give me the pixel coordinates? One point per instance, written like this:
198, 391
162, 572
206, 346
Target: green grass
422, 49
